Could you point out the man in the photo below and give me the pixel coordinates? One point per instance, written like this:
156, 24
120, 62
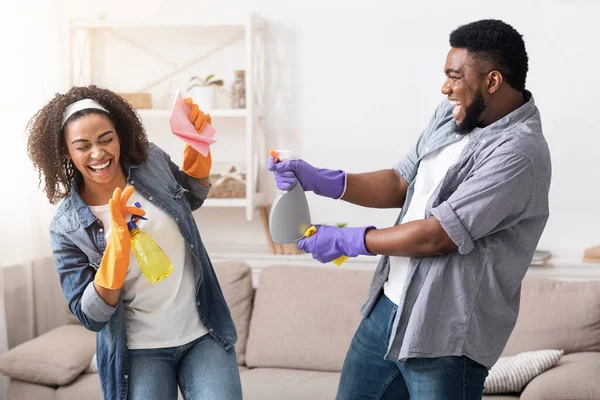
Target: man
474, 198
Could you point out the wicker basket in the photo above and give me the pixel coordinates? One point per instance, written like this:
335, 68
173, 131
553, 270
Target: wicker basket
229, 185
592, 255
138, 100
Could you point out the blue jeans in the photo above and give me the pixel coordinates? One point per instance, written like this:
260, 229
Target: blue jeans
202, 369
366, 375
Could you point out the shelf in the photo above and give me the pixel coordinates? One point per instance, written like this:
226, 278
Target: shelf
259, 200
217, 113
259, 258
559, 268
566, 268
215, 202
104, 24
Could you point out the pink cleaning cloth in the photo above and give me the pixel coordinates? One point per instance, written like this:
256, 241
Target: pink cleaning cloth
182, 127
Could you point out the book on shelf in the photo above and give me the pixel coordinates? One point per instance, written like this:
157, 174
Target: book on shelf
540, 257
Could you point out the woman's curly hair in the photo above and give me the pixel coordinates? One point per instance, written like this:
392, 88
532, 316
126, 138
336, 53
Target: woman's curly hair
46, 145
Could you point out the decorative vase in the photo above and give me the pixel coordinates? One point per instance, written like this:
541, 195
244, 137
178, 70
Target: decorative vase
238, 90
204, 96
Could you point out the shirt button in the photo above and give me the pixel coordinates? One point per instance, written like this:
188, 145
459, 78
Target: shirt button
150, 198
101, 230
457, 135
126, 376
210, 330
132, 182
191, 246
427, 149
197, 303
176, 219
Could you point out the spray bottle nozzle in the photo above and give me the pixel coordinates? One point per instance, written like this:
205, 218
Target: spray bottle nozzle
283, 155
135, 218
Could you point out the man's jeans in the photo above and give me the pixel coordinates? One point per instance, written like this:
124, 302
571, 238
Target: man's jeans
366, 375
202, 369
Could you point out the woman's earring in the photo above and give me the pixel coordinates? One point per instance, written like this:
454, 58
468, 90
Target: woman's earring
69, 167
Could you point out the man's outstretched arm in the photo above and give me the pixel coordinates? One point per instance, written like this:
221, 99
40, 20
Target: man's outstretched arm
420, 238
378, 189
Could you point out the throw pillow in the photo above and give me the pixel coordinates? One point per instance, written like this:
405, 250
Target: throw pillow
55, 358
93, 367
512, 374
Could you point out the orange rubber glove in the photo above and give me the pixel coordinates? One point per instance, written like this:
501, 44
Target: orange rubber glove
194, 163
115, 262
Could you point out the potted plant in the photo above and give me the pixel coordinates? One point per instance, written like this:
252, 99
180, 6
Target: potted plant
202, 91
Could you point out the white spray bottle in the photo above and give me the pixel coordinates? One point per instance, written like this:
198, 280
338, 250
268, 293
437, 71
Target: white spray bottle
289, 218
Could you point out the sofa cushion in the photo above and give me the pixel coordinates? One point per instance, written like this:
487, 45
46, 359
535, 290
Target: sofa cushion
575, 377
305, 317
512, 374
290, 384
235, 279
54, 358
86, 386
557, 315
20, 390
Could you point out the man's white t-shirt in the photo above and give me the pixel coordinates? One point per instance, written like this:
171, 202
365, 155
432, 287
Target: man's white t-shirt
161, 314
431, 172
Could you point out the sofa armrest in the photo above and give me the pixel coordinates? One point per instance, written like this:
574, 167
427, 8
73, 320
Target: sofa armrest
575, 377
54, 358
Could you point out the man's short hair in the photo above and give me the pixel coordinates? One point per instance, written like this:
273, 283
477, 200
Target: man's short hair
498, 44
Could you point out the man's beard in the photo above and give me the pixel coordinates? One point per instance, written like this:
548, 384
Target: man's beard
472, 115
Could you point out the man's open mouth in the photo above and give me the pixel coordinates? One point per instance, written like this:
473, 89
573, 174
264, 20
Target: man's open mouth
457, 108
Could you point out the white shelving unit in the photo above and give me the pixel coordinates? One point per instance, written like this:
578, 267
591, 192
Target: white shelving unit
158, 41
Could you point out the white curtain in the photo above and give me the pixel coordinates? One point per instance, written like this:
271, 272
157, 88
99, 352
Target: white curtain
33, 67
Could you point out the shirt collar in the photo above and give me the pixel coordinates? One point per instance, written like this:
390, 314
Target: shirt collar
519, 115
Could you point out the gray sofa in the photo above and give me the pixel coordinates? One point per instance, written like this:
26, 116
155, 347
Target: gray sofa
295, 328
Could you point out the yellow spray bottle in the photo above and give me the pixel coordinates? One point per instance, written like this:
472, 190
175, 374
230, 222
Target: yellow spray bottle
154, 263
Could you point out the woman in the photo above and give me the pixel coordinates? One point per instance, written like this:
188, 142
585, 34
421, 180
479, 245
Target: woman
92, 151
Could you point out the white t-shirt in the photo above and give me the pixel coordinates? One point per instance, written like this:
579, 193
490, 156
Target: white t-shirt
432, 170
161, 314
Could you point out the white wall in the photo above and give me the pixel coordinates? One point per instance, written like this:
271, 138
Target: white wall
352, 84
30, 74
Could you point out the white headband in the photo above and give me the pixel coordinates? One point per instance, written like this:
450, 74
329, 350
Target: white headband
78, 106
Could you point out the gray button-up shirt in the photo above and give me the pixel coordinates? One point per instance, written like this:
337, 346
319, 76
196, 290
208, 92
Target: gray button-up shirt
493, 203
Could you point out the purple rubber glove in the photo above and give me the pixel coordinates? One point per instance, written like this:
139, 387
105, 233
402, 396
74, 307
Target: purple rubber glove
330, 242
324, 182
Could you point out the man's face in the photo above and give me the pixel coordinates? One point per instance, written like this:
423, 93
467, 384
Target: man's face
464, 90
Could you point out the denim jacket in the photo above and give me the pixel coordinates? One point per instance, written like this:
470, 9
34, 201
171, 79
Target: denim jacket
78, 243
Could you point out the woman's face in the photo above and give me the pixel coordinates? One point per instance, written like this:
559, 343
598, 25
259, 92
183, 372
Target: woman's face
93, 146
